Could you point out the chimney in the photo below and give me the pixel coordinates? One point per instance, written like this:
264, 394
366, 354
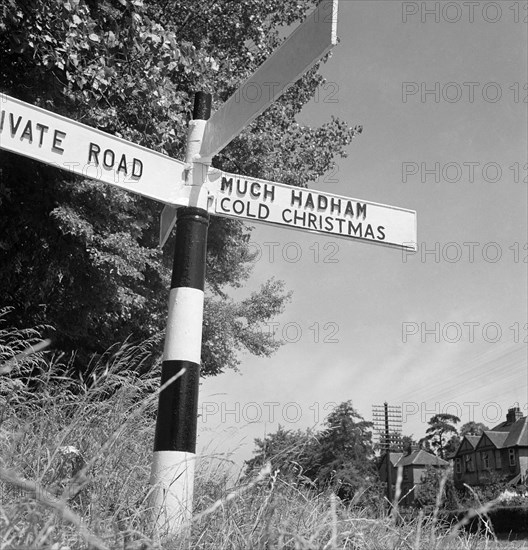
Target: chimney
513, 415
413, 448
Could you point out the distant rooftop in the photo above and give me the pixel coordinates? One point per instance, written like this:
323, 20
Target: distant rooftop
515, 427
421, 458
510, 433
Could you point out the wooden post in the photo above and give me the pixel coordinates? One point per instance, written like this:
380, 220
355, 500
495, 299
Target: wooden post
172, 474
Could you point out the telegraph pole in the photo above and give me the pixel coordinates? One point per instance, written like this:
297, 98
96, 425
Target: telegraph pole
387, 452
387, 423
172, 474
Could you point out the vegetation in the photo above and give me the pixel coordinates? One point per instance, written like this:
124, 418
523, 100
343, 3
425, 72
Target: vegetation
340, 457
442, 434
79, 260
74, 475
472, 428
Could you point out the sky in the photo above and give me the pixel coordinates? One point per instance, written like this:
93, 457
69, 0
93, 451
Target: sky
441, 91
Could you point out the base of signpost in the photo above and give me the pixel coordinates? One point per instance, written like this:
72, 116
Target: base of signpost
172, 481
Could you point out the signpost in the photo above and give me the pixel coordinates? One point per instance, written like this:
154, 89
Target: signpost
191, 192
85, 151
267, 202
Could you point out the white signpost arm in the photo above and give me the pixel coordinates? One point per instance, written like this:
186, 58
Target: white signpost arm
69, 145
314, 38
263, 201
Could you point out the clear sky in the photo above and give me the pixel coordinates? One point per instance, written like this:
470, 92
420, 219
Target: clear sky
440, 88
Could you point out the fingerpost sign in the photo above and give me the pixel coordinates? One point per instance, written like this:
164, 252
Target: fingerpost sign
191, 192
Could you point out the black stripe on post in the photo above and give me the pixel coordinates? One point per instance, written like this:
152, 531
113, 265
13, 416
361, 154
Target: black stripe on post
178, 408
191, 248
202, 106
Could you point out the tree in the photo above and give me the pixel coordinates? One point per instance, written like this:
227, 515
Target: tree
440, 433
345, 459
472, 428
82, 257
407, 442
340, 457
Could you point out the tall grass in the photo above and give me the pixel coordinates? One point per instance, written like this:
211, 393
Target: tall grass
75, 462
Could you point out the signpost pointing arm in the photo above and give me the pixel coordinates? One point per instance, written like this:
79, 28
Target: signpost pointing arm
297, 54
61, 142
191, 192
268, 202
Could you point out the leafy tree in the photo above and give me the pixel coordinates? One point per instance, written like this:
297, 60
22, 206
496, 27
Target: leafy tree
341, 456
440, 433
81, 256
472, 428
345, 458
407, 442
425, 444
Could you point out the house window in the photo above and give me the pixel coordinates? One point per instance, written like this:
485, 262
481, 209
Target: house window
405, 474
485, 460
458, 466
469, 463
511, 453
498, 460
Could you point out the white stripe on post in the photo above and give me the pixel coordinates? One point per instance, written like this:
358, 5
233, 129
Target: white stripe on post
182, 341
172, 478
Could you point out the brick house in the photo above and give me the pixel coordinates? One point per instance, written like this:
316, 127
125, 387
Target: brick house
500, 453
414, 464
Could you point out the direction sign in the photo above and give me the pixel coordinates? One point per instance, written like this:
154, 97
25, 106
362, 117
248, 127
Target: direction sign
264, 201
310, 41
69, 145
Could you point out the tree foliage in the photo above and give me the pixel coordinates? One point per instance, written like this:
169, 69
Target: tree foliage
340, 456
472, 428
81, 256
345, 458
442, 433
407, 443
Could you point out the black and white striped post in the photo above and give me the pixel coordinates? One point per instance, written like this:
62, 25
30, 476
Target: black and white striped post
172, 474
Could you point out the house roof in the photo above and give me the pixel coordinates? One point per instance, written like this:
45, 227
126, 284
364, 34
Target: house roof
468, 443
394, 457
496, 438
505, 435
516, 432
421, 458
